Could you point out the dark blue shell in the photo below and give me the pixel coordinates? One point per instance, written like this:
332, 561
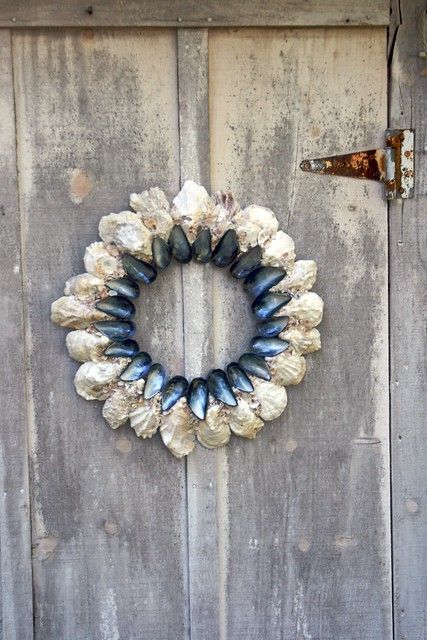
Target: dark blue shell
116, 306
138, 269
156, 380
220, 389
175, 389
162, 253
178, 242
226, 250
197, 397
202, 246
115, 329
268, 347
272, 327
247, 262
238, 378
262, 279
138, 368
255, 365
124, 349
124, 287
267, 304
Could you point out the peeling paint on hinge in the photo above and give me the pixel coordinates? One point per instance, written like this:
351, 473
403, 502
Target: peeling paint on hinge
393, 166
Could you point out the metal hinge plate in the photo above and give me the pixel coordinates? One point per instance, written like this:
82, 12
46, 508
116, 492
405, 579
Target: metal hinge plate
393, 166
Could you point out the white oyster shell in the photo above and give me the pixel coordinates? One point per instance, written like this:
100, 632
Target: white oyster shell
254, 225
85, 286
103, 261
193, 209
302, 340
93, 379
214, 431
145, 419
84, 346
272, 398
287, 368
301, 277
279, 250
127, 231
307, 309
149, 201
121, 402
177, 429
70, 312
243, 420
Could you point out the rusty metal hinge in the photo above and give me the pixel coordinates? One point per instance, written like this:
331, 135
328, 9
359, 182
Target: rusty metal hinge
393, 166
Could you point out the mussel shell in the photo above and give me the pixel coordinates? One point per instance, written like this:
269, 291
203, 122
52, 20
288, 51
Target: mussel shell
226, 250
156, 380
125, 349
255, 366
178, 242
174, 390
138, 368
272, 327
138, 269
117, 306
115, 329
202, 246
220, 389
197, 397
162, 253
247, 262
266, 305
262, 279
124, 287
268, 347
238, 378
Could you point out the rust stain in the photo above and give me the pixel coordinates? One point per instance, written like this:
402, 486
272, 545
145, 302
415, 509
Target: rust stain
44, 547
81, 185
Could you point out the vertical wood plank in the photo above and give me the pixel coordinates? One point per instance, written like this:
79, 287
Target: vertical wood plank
15, 543
408, 302
202, 465
309, 545
109, 545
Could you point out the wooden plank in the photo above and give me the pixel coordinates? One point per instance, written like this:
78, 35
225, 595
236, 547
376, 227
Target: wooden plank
109, 540
308, 500
203, 466
190, 13
15, 542
408, 301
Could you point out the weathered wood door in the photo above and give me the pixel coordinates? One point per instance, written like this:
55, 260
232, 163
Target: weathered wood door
285, 537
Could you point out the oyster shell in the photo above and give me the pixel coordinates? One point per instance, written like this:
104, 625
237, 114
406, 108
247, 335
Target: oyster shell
302, 341
193, 209
145, 418
254, 225
103, 261
278, 250
149, 201
287, 368
73, 313
84, 346
243, 420
213, 431
301, 277
177, 429
307, 308
127, 231
93, 379
85, 286
272, 399
121, 402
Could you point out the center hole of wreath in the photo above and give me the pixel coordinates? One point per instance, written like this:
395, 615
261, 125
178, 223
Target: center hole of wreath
215, 318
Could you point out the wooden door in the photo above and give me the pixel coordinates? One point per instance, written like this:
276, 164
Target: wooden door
285, 537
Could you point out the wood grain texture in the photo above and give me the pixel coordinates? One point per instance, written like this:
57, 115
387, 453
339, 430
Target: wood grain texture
191, 13
15, 537
408, 302
109, 542
308, 501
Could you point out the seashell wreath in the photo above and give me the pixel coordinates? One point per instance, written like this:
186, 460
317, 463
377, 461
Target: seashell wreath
135, 244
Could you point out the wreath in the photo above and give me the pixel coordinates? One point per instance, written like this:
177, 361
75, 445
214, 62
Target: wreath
98, 306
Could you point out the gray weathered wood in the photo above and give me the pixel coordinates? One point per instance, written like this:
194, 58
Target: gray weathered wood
408, 302
191, 13
308, 501
109, 540
15, 542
